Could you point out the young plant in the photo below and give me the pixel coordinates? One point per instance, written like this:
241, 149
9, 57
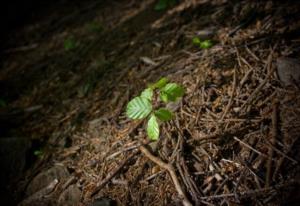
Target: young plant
141, 107
205, 44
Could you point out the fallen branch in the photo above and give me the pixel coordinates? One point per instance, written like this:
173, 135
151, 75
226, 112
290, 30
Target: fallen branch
171, 171
122, 151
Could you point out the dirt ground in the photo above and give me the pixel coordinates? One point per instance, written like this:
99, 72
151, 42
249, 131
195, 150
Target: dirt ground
67, 75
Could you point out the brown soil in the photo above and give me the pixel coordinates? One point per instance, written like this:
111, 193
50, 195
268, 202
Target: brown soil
234, 138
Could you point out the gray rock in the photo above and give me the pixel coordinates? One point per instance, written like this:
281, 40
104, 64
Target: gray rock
46, 177
42, 197
70, 197
288, 70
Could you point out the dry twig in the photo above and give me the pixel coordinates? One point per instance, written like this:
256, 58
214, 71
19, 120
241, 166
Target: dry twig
273, 141
112, 174
249, 193
171, 171
231, 96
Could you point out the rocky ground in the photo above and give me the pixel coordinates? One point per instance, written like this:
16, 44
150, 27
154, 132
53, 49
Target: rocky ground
67, 75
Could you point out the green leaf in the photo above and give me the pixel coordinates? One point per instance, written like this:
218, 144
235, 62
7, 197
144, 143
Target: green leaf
206, 44
164, 97
153, 128
138, 108
147, 93
163, 114
160, 83
196, 41
171, 92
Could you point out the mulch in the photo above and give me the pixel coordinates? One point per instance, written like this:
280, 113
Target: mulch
234, 137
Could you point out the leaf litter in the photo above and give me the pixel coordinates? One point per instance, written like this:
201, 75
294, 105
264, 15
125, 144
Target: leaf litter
233, 139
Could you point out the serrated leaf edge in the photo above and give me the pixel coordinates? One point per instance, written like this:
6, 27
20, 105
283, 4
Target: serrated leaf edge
153, 119
140, 102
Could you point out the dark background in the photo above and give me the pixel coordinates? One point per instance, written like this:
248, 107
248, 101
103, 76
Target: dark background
15, 13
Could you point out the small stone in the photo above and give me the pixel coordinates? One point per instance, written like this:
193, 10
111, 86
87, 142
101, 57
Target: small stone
41, 197
71, 196
288, 70
46, 177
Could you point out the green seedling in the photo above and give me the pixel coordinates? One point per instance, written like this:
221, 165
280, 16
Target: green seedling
70, 44
164, 4
141, 107
206, 44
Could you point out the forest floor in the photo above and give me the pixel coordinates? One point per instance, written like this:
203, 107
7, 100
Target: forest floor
67, 76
